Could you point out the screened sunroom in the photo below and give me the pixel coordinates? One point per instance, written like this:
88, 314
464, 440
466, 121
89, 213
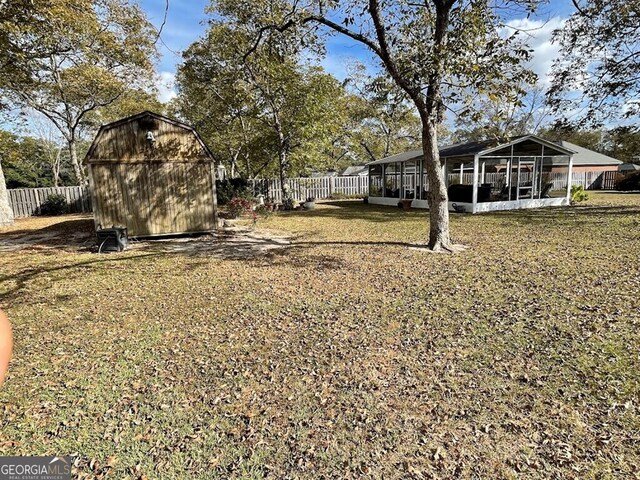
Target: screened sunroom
481, 176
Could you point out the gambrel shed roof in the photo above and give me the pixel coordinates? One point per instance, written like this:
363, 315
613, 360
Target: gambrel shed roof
126, 141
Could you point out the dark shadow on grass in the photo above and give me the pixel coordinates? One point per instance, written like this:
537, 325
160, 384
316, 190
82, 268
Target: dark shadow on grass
84, 226
557, 215
69, 233
359, 243
25, 276
355, 210
299, 256
288, 258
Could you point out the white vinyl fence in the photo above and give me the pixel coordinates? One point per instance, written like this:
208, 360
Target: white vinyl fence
318, 188
326, 187
26, 201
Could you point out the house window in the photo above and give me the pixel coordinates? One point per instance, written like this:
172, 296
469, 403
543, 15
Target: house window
375, 181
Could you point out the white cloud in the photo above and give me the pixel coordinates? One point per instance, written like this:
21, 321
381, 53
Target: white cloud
336, 65
538, 36
166, 83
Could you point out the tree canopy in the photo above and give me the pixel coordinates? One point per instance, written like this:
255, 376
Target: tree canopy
494, 117
387, 120
270, 113
596, 78
65, 59
436, 51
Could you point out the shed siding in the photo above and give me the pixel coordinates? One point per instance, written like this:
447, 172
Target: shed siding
156, 189
127, 143
154, 198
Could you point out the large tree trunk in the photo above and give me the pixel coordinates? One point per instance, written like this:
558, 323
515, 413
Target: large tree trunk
234, 166
55, 168
283, 150
6, 212
439, 238
77, 168
282, 162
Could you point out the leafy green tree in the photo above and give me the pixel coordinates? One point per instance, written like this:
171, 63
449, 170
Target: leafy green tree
22, 44
30, 162
624, 144
85, 56
591, 139
436, 51
491, 116
343, 148
596, 75
389, 123
260, 114
220, 110
24, 161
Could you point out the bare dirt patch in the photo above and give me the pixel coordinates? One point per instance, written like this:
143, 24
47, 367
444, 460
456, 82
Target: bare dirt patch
236, 244
73, 233
69, 232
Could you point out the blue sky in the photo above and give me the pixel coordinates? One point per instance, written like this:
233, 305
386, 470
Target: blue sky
186, 22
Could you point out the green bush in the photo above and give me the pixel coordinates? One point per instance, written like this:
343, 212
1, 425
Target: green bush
628, 182
289, 204
578, 194
54, 204
232, 188
345, 196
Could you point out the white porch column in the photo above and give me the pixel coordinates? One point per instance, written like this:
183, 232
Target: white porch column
540, 173
518, 186
384, 179
461, 172
569, 175
474, 197
420, 167
444, 173
509, 172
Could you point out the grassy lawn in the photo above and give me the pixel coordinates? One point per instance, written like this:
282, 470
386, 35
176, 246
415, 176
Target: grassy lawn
348, 355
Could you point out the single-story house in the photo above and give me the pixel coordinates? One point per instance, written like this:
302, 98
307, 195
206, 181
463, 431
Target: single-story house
625, 168
584, 160
355, 170
328, 173
481, 176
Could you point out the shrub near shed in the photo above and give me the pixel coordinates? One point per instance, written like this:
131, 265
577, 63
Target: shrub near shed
629, 182
55, 204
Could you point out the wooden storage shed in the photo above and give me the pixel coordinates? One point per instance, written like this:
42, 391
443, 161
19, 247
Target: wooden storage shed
153, 175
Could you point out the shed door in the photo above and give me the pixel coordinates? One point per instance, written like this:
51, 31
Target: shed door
154, 198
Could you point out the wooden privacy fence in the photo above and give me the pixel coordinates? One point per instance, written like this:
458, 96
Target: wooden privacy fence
26, 201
